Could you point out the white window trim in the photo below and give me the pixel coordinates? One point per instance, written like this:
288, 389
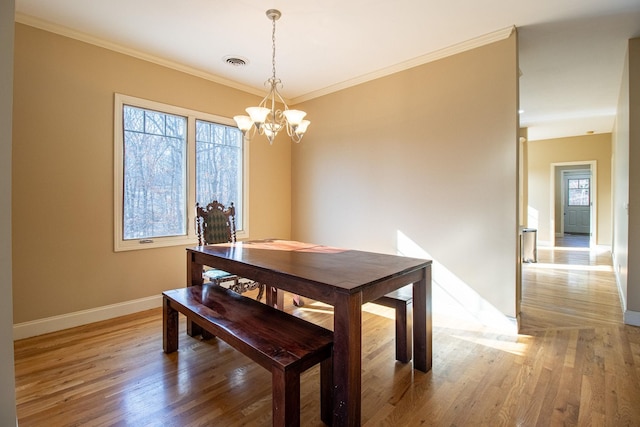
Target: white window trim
120, 244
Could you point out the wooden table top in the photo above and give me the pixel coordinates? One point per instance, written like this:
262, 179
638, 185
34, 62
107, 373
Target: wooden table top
341, 268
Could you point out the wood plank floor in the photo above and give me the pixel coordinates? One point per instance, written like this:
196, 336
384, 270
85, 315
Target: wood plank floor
568, 240
574, 363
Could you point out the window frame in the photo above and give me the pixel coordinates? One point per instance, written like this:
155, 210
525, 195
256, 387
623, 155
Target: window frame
120, 244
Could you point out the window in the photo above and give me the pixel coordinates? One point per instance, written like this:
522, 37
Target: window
579, 192
155, 188
167, 159
219, 165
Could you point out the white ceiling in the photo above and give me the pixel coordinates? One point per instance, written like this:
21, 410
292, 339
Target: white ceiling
571, 51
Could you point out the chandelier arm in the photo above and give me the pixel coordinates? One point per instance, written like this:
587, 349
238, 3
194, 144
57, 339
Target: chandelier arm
267, 119
274, 93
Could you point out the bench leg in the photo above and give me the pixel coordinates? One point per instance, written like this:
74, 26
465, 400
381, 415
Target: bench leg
275, 297
206, 335
170, 327
285, 386
193, 330
404, 331
326, 391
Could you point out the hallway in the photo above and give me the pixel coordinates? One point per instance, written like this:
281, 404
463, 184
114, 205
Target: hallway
573, 241
570, 287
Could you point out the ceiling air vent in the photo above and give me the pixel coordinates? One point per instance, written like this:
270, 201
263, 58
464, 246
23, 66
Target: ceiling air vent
235, 61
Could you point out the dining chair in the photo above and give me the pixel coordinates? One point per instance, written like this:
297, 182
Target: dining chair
216, 223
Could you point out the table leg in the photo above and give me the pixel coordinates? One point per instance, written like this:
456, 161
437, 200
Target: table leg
422, 322
347, 360
194, 278
169, 327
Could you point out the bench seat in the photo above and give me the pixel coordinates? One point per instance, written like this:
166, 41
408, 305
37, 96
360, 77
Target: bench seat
282, 343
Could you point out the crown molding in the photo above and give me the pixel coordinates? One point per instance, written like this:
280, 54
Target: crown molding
86, 38
420, 60
430, 57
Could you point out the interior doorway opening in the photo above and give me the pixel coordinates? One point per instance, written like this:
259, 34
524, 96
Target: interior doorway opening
574, 197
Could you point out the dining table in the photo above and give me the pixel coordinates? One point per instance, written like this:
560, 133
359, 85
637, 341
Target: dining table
343, 278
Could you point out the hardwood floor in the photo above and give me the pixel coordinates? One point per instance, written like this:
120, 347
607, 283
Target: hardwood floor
574, 363
573, 241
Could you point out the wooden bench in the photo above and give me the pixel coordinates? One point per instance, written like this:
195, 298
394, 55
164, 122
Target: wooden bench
402, 301
281, 343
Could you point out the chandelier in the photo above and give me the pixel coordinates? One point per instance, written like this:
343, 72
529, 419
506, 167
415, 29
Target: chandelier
265, 118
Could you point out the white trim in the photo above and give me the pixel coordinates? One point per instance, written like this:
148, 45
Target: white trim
83, 37
567, 174
420, 60
79, 318
616, 274
632, 318
453, 297
593, 167
246, 167
190, 116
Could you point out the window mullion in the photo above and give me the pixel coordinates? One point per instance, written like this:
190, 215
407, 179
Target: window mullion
191, 175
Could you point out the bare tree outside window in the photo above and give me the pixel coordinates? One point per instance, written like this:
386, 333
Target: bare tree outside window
218, 165
167, 159
154, 174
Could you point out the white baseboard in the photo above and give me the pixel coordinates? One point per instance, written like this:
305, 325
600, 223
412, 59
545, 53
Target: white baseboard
79, 318
632, 318
616, 274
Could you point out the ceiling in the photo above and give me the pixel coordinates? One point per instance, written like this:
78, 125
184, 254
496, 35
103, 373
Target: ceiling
572, 52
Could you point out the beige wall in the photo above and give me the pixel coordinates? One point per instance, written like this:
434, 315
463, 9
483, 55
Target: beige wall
633, 279
620, 149
626, 149
541, 156
7, 385
63, 258
421, 162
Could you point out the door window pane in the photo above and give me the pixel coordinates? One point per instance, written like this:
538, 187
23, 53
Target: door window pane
579, 192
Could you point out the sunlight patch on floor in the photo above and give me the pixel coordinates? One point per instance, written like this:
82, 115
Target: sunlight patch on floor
449, 290
570, 248
517, 348
569, 267
372, 308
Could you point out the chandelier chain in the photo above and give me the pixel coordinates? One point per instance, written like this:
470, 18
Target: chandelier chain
273, 48
267, 119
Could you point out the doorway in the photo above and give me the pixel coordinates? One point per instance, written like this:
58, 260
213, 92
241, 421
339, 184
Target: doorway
576, 204
573, 199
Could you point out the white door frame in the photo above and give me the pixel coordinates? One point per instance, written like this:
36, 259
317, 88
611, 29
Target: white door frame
568, 173
593, 167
